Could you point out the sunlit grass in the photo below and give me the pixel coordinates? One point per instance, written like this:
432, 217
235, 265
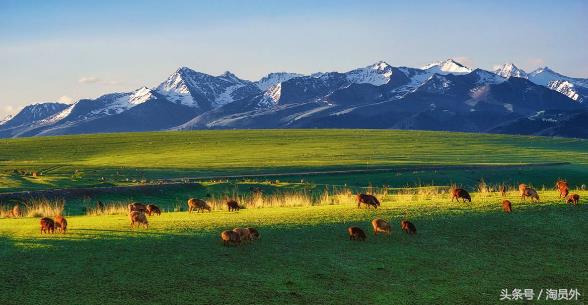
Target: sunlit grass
127, 158
304, 255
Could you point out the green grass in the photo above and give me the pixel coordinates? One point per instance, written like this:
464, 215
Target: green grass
128, 158
462, 254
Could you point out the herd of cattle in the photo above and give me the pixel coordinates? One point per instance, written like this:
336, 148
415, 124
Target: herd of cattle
138, 213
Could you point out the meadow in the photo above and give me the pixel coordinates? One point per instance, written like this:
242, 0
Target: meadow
463, 253
139, 158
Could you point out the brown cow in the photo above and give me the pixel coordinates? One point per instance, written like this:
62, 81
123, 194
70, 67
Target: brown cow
381, 226
522, 188
253, 233
47, 225
244, 234
408, 227
137, 218
531, 193
61, 224
368, 200
506, 206
356, 233
460, 193
138, 207
233, 205
562, 186
198, 205
573, 198
152, 209
230, 237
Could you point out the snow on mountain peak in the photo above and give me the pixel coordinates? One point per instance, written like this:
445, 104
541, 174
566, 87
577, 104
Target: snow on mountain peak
543, 76
487, 77
271, 96
140, 96
273, 79
509, 70
175, 87
376, 74
6, 119
448, 66
125, 101
381, 66
566, 88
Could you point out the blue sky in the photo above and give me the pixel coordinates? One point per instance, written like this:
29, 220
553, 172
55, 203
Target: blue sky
66, 50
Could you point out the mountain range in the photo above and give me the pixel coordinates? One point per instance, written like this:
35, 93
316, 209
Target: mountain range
444, 95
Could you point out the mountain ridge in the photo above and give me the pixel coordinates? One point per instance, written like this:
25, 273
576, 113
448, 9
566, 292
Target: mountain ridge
374, 96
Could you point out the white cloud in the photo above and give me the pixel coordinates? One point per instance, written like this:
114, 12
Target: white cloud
464, 60
8, 110
65, 99
89, 80
536, 62
97, 80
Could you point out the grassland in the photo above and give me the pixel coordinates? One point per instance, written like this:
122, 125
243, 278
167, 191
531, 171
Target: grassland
132, 158
462, 254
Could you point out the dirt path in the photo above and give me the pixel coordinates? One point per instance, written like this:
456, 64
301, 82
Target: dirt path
194, 181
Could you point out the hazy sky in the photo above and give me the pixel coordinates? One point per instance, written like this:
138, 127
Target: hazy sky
66, 50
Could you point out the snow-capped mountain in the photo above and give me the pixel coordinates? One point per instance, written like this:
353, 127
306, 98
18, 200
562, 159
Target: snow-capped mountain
442, 96
543, 76
487, 77
203, 91
273, 79
509, 70
33, 113
109, 104
376, 74
566, 85
448, 66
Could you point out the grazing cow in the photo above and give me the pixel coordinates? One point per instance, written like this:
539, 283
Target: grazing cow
356, 233
562, 186
253, 233
138, 207
244, 234
198, 205
16, 211
408, 227
137, 219
61, 224
152, 209
522, 188
233, 205
531, 193
381, 226
368, 200
506, 206
230, 238
460, 193
47, 225
573, 198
